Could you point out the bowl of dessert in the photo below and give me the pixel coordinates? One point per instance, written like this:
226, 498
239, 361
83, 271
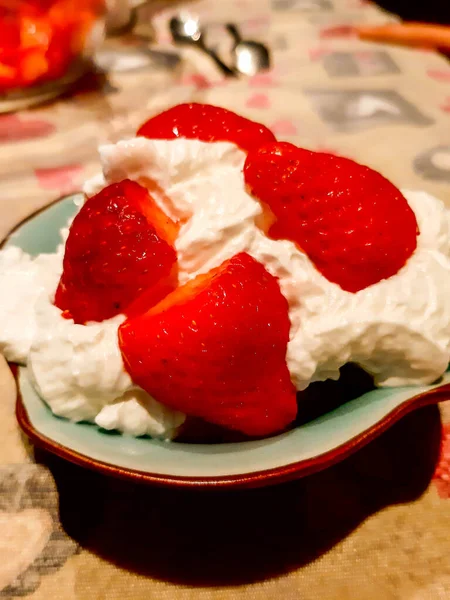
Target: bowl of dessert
219, 308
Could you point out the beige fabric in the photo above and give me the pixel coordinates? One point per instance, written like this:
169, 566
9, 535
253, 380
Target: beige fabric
374, 527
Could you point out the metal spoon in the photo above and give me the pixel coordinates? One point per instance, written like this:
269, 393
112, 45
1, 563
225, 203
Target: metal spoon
249, 57
185, 29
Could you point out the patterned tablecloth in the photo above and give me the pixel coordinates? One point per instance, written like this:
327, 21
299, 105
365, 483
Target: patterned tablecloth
373, 527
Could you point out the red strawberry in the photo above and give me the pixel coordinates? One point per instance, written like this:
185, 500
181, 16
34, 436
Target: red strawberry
119, 246
215, 348
208, 124
355, 226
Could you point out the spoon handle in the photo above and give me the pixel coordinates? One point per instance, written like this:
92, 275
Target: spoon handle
232, 28
226, 70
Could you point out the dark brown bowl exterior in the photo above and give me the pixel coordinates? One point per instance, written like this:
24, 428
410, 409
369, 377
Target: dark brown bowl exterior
281, 474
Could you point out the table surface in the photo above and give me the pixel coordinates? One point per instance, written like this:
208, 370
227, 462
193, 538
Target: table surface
373, 527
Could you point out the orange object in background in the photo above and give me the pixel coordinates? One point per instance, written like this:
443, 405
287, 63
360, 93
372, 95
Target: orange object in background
425, 35
40, 40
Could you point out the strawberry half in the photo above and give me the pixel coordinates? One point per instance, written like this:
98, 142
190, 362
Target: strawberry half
208, 124
120, 246
215, 348
355, 226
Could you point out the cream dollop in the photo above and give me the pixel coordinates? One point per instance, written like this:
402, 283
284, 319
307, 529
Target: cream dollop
23, 280
196, 182
397, 329
77, 369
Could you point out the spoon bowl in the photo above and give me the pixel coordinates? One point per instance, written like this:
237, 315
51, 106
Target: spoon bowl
249, 57
185, 29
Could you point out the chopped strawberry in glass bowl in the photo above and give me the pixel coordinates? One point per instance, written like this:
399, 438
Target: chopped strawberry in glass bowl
45, 45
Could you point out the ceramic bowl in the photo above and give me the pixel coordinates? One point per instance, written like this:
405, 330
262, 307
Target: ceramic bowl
309, 447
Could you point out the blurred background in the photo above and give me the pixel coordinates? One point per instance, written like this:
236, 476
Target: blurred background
78, 73
434, 11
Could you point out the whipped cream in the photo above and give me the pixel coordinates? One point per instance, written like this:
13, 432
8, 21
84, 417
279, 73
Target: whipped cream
196, 182
77, 369
397, 329
23, 280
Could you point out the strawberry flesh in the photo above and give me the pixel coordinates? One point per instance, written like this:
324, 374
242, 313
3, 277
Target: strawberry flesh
215, 348
208, 124
119, 247
355, 226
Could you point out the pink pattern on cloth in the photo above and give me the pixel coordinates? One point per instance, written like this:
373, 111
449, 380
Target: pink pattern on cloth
284, 127
439, 75
446, 106
261, 80
317, 53
197, 80
441, 477
257, 22
64, 179
200, 82
338, 31
258, 101
16, 129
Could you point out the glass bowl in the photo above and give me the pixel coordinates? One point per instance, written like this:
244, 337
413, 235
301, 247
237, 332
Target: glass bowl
45, 46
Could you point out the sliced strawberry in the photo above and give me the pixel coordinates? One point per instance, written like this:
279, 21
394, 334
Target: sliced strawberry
354, 225
119, 246
208, 124
216, 349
